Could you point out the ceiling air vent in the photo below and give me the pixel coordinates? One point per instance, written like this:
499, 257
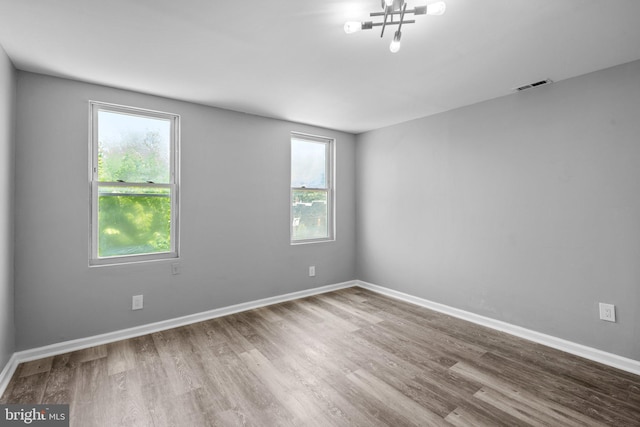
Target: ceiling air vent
532, 85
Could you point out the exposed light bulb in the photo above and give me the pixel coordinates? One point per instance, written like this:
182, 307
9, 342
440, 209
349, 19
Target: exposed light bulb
389, 3
394, 47
352, 27
436, 8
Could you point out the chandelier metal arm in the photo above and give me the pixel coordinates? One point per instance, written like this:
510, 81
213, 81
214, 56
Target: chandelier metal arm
384, 22
415, 11
404, 7
379, 24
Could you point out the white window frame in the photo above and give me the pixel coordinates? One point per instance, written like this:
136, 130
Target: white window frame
94, 183
330, 190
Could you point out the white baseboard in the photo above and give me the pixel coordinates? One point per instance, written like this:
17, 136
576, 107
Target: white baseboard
7, 372
610, 359
82, 343
623, 363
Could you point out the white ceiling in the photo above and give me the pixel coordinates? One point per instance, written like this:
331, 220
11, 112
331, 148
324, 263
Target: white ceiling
290, 59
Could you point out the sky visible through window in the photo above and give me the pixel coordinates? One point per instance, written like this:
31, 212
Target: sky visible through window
113, 125
133, 148
308, 164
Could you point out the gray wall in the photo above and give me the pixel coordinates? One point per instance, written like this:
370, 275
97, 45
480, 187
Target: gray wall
524, 209
234, 217
7, 134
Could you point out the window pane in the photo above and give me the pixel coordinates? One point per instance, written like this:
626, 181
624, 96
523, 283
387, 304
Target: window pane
133, 148
308, 164
310, 213
133, 220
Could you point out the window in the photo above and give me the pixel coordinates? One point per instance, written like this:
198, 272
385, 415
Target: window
311, 188
134, 184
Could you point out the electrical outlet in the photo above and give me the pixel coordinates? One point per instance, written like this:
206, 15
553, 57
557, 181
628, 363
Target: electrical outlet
176, 268
312, 270
607, 312
136, 302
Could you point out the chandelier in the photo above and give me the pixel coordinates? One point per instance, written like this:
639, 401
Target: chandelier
393, 13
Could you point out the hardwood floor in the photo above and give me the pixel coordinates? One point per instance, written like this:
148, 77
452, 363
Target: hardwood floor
347, 358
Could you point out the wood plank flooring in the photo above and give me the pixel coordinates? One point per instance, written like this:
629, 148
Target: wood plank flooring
346, 358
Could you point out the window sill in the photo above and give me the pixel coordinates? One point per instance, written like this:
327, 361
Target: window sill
133, 259
309, 242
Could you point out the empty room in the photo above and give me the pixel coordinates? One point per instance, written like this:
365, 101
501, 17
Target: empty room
328, 213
